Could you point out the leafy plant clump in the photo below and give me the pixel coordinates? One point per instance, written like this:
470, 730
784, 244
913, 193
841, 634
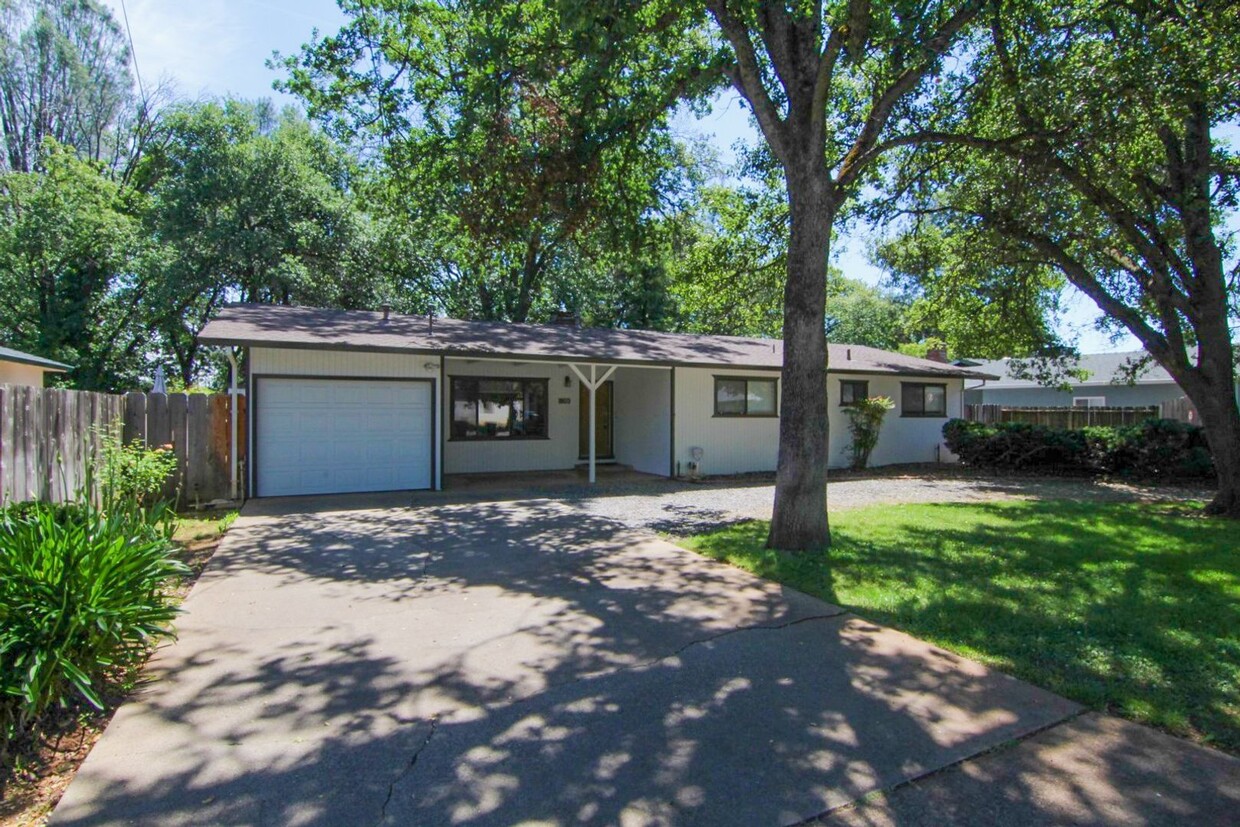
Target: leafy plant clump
82, 599
1155, 449
131, 474
865, 422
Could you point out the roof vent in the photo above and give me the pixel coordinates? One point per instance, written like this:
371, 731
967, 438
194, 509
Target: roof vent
848, 355
387, 311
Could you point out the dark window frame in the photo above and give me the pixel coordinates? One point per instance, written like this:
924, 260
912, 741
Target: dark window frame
923, 414
865, 391
545, 382
745, 414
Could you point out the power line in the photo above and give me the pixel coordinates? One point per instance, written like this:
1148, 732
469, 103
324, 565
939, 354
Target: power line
133, 54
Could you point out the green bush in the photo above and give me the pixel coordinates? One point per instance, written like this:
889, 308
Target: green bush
131, 473
81, 598
865, 422
1016, 445
1157, 448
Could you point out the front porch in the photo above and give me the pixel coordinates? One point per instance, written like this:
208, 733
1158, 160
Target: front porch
566, 419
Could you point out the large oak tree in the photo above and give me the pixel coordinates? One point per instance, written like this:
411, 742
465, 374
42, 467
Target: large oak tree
1091, 144
831, 86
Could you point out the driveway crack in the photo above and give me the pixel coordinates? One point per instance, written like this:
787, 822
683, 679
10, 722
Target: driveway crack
404, 773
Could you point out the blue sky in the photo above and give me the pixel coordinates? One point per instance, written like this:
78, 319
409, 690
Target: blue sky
220, 47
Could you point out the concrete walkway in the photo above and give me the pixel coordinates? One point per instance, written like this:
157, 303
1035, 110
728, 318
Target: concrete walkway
355, 661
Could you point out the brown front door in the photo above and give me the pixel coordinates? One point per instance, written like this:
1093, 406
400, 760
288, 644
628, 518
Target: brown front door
603, 445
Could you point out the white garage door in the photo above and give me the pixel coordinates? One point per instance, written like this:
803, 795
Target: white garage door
327, 436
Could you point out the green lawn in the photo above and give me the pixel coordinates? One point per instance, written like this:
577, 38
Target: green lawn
1133, 609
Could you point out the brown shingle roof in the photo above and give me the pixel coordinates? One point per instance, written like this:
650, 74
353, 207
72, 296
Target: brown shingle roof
256, 325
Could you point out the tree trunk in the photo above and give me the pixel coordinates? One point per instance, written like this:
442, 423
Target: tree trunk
1224, 442
1215, 400
799, 522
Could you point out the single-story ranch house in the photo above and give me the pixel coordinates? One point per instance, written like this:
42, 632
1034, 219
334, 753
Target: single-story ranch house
344, 401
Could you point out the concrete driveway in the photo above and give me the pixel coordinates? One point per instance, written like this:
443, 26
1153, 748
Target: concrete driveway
362, 662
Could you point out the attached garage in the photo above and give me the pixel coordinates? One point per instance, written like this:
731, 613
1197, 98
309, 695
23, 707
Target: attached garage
333, 436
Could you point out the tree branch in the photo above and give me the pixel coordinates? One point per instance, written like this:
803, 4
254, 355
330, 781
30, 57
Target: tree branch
746, 76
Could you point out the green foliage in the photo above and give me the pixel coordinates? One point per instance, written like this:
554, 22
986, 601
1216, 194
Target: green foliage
1158, 448
1017, 445
858, 314
81, 600
979, 299
1094, 141
64, 76
1058, 592
1155, 449
727, 275
865, 422
922, 348
69, 248
252, 205
523, 141
130, 475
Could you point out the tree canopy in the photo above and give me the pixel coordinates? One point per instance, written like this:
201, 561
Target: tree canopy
1089, 146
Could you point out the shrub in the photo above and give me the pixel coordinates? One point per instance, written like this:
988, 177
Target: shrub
1157, 448
865, 421
1015, 445
130, 474
81, 596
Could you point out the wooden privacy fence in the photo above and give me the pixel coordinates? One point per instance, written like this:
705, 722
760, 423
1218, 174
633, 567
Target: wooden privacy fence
1180, 409
1066, 418
49, 437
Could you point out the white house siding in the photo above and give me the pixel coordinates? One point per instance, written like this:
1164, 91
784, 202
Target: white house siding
642, 417
1123, 396
16, 373
730, 444
903, 439
558, 451
305, 362
266, 361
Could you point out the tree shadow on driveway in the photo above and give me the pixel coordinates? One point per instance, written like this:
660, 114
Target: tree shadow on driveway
492, 663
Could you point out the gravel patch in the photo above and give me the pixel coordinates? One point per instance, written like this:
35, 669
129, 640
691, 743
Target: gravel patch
680, 508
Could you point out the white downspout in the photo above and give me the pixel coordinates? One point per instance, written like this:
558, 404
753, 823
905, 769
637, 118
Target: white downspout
233, 392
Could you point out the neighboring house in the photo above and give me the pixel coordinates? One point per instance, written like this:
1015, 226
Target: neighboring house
1106, 386
360, 401
17, 368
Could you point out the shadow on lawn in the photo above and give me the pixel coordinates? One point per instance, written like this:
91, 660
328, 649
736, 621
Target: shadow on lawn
1127, 608
492, 664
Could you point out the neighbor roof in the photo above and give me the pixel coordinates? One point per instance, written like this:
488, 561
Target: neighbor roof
254, 325
1103, 368
7, 354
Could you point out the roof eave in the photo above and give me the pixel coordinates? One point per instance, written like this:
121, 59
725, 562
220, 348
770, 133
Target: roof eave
46, 364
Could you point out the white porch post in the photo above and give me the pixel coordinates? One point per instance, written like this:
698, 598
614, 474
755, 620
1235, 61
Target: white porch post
592, 384
593, 423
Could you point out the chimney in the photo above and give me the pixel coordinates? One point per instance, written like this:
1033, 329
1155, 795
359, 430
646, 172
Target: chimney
938, 353
565, 318
387, 311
